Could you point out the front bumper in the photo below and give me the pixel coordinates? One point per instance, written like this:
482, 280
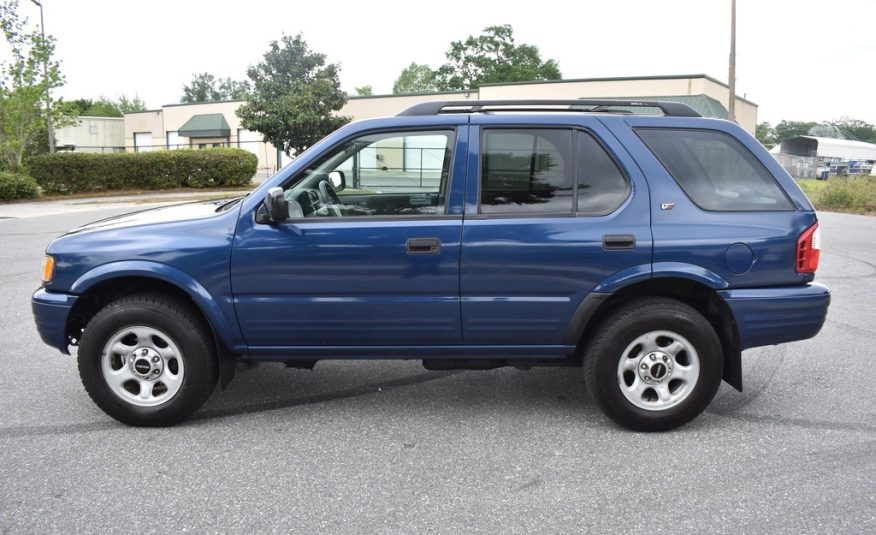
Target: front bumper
50, 312
768, 316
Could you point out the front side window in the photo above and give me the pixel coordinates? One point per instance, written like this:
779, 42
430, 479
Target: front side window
385, 174
715, 170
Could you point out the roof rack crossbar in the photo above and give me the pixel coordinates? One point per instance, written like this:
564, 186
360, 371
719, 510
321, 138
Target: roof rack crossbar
671, 109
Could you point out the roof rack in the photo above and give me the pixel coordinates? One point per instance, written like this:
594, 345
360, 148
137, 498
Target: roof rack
672, 109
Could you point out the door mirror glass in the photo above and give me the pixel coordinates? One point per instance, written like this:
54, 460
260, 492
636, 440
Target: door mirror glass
337, 180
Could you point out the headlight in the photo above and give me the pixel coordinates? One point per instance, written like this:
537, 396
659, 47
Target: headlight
48, 269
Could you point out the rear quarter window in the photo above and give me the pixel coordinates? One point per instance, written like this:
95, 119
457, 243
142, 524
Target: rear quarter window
715, 170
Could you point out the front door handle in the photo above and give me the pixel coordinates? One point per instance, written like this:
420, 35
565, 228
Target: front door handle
424, 246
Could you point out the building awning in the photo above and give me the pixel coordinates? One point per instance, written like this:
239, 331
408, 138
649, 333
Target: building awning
205, 125
828, 147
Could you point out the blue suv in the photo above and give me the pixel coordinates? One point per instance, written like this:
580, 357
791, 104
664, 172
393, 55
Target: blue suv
648, 249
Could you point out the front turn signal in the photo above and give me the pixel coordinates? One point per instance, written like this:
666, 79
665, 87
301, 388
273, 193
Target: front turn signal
48, 269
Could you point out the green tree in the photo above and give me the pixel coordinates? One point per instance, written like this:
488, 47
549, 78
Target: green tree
493, 57
129, 105
28, 73
207, 88
765, 133
294, 96
415, 78
788, 129
856, 129
81, 105
105, 107
102, 107
827, 130
233, 89
364, 91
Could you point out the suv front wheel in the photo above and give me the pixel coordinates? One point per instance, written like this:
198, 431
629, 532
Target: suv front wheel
148, 360
655, 364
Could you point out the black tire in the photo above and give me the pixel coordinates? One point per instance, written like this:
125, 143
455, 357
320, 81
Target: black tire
170, 325
618, 344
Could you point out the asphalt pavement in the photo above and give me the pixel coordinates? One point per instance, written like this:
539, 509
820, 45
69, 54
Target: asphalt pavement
387, 447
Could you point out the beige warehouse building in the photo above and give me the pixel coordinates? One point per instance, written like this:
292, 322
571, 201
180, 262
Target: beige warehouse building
215, 124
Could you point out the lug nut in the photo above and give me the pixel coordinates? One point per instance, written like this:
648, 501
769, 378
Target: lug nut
647, 379
665, 358
154, 359
144, 352
653, 356
644, 366
155, 372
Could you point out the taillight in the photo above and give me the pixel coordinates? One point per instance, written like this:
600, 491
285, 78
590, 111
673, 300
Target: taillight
809, 249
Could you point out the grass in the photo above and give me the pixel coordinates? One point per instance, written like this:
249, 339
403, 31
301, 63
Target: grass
854, 194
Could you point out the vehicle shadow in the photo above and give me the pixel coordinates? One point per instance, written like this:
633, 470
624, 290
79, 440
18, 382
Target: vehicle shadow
270, 387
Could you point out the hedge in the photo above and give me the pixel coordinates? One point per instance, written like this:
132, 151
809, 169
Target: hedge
74, 172
17, 185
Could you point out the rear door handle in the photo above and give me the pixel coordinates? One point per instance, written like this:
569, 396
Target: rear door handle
618, 241
424, 246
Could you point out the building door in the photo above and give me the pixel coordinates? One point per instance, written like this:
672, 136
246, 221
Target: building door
143, 141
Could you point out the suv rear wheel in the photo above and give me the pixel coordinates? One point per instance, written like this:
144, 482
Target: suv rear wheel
654, 365
148, 360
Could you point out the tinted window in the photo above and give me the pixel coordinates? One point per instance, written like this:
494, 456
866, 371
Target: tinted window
602, 187
386, 174
715, 170
526, 171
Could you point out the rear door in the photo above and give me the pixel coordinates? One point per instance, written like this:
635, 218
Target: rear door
554, 212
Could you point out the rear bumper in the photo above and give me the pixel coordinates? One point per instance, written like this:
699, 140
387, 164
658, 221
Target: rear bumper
768, 316
50, 312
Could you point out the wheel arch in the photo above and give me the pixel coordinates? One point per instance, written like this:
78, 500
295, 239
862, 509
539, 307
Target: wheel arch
695, 293
109, 282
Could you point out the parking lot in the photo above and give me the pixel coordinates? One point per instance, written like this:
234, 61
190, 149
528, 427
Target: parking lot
387, 447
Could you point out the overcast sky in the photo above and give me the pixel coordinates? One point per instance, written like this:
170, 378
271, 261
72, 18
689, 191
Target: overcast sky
799, 60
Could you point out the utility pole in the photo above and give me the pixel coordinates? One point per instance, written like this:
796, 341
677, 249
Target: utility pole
46, 80
731, 109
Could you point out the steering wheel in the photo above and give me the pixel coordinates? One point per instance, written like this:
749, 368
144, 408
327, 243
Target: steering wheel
310, 201
330, 198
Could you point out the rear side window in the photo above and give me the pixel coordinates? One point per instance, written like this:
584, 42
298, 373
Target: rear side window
548, 171
602, 186
716, 171
527, 171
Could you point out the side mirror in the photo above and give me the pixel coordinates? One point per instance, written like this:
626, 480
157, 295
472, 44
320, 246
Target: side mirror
275, 204
337, 180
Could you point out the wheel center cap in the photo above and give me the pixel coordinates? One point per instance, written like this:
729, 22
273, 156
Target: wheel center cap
146, 363
142, 366
658, 371
655, 367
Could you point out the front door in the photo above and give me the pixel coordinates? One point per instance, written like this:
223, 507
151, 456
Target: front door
369, 257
